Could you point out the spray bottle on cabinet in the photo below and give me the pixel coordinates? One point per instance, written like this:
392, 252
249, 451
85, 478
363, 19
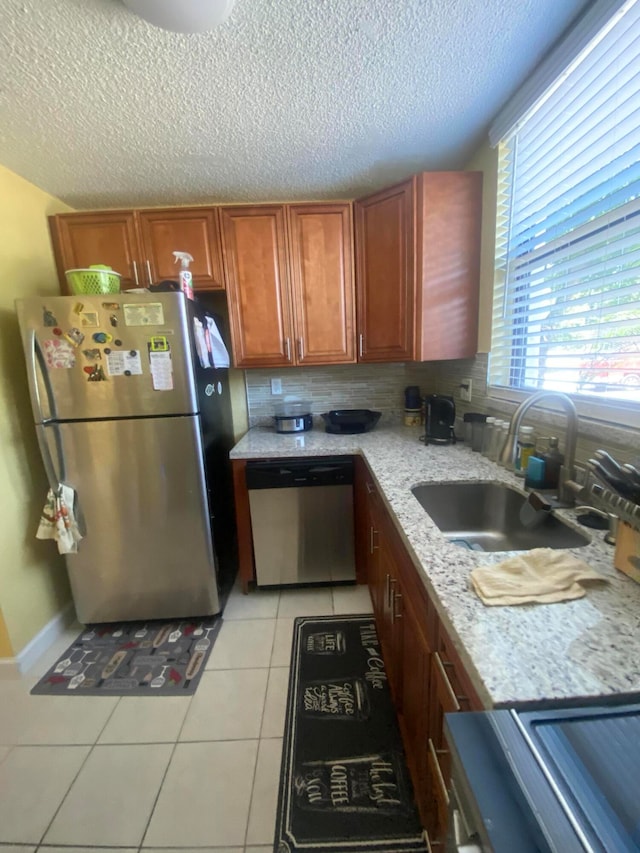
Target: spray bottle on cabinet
186, 285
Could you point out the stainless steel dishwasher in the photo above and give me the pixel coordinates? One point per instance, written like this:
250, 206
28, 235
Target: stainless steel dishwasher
302, 520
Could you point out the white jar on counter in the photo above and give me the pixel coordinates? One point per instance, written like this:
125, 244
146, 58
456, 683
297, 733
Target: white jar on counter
500, 428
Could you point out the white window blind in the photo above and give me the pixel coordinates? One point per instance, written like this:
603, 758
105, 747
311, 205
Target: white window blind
567, 288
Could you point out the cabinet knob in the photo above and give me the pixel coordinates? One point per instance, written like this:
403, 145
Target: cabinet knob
135, 273
360, 345
149, 276
287, 346
300, 349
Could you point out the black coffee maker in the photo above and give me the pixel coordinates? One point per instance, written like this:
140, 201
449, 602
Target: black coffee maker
440, 416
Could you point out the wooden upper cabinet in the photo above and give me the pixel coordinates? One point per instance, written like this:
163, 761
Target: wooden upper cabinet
192, 230
385, 248
82, 239
139, 244
418, 268
322, 286
449, 217
255, 257
289, 272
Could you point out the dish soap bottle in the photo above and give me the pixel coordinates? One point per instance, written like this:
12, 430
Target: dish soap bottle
553, 461
186, 279
525, 448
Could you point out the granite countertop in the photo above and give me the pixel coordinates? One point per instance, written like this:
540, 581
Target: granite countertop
571, 652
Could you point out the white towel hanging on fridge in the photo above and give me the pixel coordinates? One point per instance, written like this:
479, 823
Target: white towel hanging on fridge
201, 344
58, 520
219, 351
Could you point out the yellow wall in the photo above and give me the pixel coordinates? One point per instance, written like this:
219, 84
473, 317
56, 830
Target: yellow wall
486, 160
33, 581
6, 649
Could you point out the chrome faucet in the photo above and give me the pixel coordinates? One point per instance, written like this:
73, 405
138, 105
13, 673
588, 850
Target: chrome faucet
566, 495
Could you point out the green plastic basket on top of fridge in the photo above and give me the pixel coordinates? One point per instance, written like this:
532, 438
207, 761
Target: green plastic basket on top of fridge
95, 280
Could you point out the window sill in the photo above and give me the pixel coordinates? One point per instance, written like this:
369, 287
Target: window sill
592, 411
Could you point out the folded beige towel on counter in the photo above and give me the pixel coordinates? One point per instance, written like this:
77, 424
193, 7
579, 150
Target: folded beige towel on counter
543, 576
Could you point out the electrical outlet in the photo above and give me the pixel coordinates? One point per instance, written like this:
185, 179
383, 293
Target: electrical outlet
276, 386
465, 389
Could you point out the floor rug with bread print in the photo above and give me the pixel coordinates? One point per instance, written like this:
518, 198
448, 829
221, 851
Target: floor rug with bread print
157, 658
344, 784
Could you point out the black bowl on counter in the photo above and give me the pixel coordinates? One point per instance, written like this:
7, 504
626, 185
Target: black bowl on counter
350, 421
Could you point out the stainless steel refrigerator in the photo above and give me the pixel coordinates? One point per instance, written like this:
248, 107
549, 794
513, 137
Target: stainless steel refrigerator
114, 383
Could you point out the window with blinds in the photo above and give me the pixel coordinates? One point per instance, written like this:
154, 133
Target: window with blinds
567, 288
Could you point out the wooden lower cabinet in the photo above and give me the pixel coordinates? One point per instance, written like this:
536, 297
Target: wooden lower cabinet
246, 570
426, 676
414, 713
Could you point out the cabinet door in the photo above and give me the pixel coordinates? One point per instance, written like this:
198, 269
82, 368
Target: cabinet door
82, 239
449, 222
450, 692
192, 230
365, 537
322, 283
254, 251
390, 608
414, 719
385, 265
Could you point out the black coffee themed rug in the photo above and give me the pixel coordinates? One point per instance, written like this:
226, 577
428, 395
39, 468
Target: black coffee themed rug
156, 658
344, 785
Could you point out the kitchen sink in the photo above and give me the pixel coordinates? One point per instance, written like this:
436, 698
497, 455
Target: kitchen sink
485, 516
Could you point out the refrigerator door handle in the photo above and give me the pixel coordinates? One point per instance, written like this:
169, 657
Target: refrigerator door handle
54, 477
35, 369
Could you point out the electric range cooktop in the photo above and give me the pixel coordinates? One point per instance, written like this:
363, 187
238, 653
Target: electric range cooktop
571, 777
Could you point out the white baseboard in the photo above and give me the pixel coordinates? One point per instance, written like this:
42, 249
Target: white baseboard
38, 645
9, 668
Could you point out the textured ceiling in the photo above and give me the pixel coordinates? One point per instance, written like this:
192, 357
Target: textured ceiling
288, 99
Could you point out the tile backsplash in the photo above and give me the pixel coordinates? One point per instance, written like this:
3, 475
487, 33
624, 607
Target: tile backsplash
381, 387
446, 376
350, 386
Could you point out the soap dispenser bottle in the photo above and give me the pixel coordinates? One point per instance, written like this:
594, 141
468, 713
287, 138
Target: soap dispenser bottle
553, 461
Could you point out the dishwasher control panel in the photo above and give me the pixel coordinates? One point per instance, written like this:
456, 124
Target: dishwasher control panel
288, 473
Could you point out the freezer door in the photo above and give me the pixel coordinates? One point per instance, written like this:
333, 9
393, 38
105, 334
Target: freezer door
142, 506
111, 356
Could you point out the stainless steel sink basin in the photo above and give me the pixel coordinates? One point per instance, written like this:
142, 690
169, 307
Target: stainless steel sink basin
486, 517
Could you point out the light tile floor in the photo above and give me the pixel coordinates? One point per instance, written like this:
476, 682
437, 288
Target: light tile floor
185, 774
